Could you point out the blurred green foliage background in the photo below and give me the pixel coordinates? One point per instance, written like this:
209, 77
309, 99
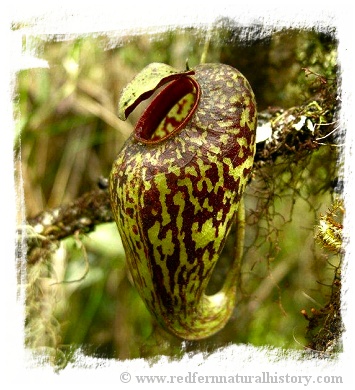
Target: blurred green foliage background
68, 135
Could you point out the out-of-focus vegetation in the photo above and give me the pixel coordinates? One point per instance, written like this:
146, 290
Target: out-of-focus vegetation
68, 135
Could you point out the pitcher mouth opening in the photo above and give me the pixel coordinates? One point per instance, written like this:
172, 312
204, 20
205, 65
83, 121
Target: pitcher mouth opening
169, 111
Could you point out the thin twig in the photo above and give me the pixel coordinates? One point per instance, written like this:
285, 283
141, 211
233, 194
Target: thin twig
87, 265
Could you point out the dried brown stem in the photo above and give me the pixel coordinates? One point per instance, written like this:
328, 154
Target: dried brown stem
81, 216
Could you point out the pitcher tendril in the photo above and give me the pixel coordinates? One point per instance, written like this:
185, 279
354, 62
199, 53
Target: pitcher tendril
176, 187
